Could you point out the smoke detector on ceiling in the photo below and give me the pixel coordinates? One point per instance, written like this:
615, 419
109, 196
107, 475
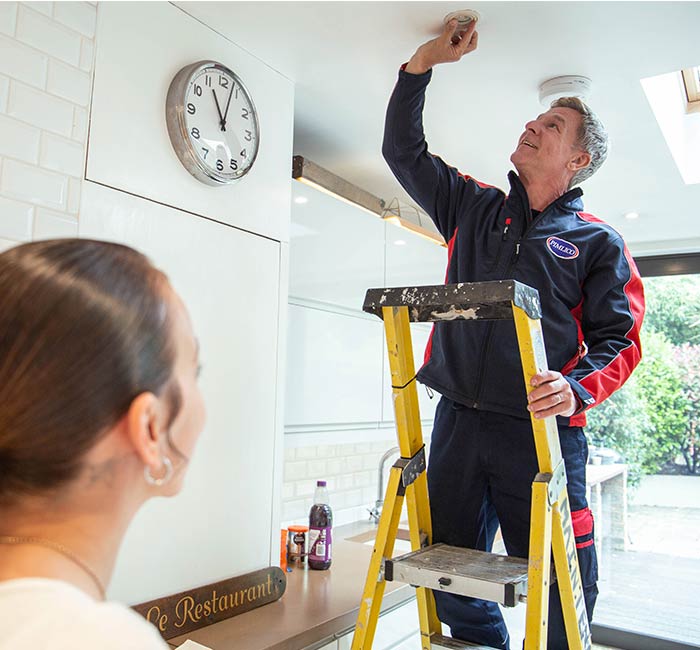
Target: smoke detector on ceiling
464, 17
567, 86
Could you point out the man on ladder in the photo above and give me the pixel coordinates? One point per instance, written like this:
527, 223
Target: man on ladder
482, 459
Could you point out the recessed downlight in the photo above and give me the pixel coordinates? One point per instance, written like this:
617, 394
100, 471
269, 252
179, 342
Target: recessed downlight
400, 242
631, 216
301, 199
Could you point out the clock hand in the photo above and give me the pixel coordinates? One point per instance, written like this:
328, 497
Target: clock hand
222, 122
228, 103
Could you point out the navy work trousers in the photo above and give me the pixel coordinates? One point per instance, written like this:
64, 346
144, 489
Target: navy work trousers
480, 473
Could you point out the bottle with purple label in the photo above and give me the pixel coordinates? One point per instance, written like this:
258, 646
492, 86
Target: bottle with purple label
320, 524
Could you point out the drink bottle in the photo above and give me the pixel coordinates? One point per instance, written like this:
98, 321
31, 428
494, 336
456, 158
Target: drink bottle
320, 524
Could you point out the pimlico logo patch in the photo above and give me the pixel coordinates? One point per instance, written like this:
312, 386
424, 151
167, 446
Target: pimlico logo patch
562, 248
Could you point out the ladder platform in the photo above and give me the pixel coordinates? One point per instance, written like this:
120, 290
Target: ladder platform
439, 642
463, 301
498, 578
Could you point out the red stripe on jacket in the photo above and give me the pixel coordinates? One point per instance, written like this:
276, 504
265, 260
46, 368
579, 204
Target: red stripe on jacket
466, 177
602, 383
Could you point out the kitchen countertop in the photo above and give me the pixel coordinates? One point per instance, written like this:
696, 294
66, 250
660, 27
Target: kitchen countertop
316, 607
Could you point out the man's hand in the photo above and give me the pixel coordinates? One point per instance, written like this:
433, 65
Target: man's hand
552, 395
443, 49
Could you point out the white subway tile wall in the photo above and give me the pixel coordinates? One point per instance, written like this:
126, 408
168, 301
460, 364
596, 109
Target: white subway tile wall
69, 82
47, 35
49, 225
4, 91
47, 53
351, 470
8, 17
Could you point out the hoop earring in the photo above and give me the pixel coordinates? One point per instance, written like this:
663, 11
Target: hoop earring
167, 463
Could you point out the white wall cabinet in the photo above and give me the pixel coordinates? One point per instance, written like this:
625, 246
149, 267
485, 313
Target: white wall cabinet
230, 282
396, 629
336, 250
334, 368
336, 358
140, 48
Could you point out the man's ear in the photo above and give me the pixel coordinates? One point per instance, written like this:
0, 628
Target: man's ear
581, 160
144, 430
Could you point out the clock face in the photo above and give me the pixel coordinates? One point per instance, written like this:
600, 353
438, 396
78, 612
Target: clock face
216, 135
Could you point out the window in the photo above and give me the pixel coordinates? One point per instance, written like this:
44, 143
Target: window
648, 531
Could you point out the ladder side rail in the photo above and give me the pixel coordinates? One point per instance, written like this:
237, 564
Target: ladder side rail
375, 582
410, 435
534, 360
539, 565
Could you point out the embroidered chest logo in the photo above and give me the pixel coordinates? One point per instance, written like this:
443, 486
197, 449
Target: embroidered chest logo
562, 248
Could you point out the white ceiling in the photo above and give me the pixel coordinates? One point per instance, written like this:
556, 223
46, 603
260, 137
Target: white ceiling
344, 57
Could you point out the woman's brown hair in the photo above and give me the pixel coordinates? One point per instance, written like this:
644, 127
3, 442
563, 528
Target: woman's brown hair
84, 329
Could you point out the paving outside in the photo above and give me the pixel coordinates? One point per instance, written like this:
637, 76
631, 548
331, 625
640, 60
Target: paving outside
652, 588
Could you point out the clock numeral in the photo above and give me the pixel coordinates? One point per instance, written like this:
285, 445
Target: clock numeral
206, 151
207, 81
220, 165
234, 164
244, 154
195, 133
191, 109
197, 90
248, 135
245, 113
223, 81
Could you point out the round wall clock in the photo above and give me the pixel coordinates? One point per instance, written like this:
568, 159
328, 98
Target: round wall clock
212, 123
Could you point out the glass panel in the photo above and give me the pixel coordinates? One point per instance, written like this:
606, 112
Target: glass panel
644, 475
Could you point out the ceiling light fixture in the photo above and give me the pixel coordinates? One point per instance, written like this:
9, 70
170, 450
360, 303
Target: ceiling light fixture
566, 86
300, 200
392, 214
314, 175
632, 215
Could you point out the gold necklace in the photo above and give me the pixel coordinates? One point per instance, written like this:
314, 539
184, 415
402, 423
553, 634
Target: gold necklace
59, 548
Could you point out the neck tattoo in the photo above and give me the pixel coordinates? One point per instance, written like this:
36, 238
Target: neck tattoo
59, 548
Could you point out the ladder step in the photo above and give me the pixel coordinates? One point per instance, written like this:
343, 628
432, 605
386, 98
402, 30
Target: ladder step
437, 641
499, 578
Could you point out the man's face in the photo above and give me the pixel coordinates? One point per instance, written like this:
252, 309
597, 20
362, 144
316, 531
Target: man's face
548, 146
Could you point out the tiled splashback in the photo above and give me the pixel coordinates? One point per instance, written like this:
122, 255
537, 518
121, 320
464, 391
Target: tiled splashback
46, 64
350, 469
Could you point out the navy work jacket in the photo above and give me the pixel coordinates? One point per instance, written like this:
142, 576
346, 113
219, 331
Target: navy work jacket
590, 290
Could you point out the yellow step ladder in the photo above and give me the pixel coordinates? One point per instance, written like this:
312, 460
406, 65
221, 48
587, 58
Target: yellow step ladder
498, 578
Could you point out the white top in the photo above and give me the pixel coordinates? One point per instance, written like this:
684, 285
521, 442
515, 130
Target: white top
44, 614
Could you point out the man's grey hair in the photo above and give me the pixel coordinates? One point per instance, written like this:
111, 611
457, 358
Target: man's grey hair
592, 137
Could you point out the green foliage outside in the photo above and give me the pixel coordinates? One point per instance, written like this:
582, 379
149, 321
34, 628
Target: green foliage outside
655, 417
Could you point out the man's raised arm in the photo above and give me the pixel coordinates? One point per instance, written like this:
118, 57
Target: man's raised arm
436, 187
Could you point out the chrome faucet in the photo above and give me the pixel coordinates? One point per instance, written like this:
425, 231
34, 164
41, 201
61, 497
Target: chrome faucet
376, 511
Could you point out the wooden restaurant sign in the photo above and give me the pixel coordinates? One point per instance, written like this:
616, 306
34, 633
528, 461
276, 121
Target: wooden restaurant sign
189, 610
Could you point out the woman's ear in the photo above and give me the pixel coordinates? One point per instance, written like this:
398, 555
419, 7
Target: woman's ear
144, 428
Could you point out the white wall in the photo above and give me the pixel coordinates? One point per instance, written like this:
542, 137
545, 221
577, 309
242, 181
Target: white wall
230, 264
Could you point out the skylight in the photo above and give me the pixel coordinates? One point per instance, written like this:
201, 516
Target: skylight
675, 100
691, 81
